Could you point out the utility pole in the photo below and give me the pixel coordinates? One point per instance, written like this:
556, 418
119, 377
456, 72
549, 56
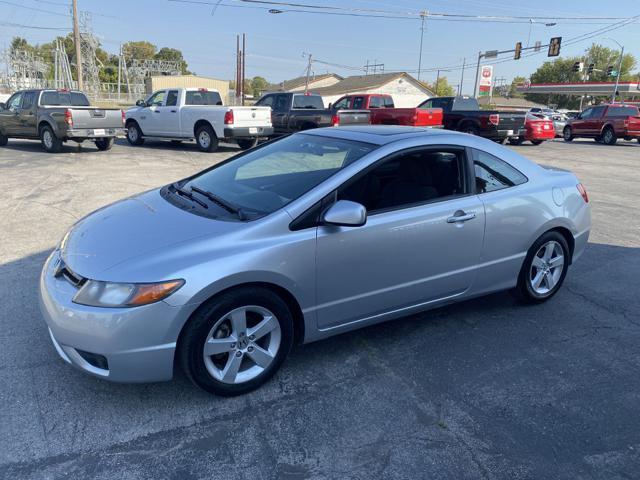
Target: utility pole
423, 15
306, 83
475, 86
244, 47
615, 90
464, 62
76, 40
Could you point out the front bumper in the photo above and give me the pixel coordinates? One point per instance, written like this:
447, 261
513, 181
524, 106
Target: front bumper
138, 343
248, 132
89, 133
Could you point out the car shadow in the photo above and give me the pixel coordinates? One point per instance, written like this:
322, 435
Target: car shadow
36, 146
183, 146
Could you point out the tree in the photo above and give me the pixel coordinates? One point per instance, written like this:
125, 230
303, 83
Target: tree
258, 85
441, 88
173, 55
603, 57
513, 89
141, 50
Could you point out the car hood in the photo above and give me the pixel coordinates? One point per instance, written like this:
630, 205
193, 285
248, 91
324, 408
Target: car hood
131, 228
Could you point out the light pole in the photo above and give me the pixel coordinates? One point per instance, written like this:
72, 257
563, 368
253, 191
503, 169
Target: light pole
423, 14
531, 22
615, 90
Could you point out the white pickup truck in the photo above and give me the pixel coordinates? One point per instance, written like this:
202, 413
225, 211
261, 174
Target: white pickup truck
180, 114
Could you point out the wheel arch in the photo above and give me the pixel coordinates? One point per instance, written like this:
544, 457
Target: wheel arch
46, 123
468, 122
203, 123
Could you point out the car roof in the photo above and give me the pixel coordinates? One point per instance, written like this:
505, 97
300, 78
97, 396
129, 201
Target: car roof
377, 134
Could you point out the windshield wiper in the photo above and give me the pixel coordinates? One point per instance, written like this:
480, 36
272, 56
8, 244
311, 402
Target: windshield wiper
220, 201
190, 196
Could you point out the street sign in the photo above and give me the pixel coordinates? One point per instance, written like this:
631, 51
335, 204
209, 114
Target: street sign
554, 47
491, 54
486, 80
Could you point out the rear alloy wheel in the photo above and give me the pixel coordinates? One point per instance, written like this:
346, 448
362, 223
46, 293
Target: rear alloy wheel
544, 268
516, 141
134, 134
50, 143
104, 144
206, 139
609, 136
567, 134
236, 341
247, 143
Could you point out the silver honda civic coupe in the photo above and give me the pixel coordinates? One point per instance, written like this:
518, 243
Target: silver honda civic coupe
299, 239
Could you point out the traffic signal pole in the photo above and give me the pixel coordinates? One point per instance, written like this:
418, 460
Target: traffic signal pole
615, 90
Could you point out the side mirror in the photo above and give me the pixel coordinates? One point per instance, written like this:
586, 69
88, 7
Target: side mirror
2, 106
141, 103
345, 213
330, 106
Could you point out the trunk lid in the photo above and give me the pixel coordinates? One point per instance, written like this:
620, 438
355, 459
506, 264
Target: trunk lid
92, 117
251, 116
511, 120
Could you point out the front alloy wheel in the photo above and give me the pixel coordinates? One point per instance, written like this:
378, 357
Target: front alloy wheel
236, 341
567, 134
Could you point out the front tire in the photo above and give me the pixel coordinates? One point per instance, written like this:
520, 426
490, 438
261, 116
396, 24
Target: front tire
247, 143
104, 144
567, 134
134, 134
544, 268
609, 136
537, 142
516, 141
50, 142
206, 138
236, 341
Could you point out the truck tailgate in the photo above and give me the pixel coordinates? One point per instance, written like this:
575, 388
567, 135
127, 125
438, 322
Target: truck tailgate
511, 121
91, 117
251, 116
353, 117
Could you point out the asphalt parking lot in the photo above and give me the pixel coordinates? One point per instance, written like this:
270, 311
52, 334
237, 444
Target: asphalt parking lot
486, 389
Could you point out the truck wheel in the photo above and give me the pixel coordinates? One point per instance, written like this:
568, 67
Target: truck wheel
609, 136
537, 142
516, 141
206, 139
470, 129
134, 134
3, 139
104, 143
567, 134
50, 143
247, 143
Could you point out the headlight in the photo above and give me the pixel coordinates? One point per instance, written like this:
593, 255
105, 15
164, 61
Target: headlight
107, 294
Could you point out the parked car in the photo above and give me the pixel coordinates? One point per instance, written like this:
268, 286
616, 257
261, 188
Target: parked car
184, 114
57, 116
559, 119
299, 239
293, 112
464, 115
538, 128
605, 123
383, 111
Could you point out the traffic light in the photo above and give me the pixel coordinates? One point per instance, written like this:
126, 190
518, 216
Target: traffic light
554, 47
578, 66
590, 68
518, 51
609, 70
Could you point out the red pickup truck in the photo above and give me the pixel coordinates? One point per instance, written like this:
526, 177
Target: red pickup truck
383, 111
605, 123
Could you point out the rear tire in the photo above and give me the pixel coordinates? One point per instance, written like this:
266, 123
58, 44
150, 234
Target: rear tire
104, 144
537, 142
544, 268
516, 141
50, 143
206, 138
470, 129
609, 136
3, 139
247, 143
134, 134
567, 134
236, 315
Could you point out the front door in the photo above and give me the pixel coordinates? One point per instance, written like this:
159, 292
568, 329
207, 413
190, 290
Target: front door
421, 242
150, 121
168, 117
580, 125
10, 115
27, 119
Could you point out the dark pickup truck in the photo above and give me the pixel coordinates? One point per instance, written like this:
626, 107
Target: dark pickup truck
55, 116
465, 115
292, 112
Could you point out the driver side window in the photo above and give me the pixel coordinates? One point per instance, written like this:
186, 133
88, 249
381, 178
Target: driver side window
341, 104
157, 99
14, 102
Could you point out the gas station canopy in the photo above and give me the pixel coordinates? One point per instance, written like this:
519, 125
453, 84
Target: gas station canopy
587, 88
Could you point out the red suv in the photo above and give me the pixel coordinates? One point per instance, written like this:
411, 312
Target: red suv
605, 123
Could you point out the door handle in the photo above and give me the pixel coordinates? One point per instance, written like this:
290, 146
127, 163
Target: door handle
461, 216
174, 111
156, 111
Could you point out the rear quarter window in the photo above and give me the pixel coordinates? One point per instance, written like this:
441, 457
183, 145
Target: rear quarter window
494, 174
622, 112
202, 97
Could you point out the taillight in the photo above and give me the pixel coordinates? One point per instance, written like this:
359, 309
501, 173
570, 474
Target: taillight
626, 123
335, 120
583, 192
228, 117
124, 116
68, 117
494, 119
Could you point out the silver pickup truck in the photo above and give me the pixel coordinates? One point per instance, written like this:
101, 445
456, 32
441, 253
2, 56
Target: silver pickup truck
56, 116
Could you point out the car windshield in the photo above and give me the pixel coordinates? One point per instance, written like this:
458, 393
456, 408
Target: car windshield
268, 178
63, 99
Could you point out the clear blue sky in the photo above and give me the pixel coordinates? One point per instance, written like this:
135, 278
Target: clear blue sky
276, 42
